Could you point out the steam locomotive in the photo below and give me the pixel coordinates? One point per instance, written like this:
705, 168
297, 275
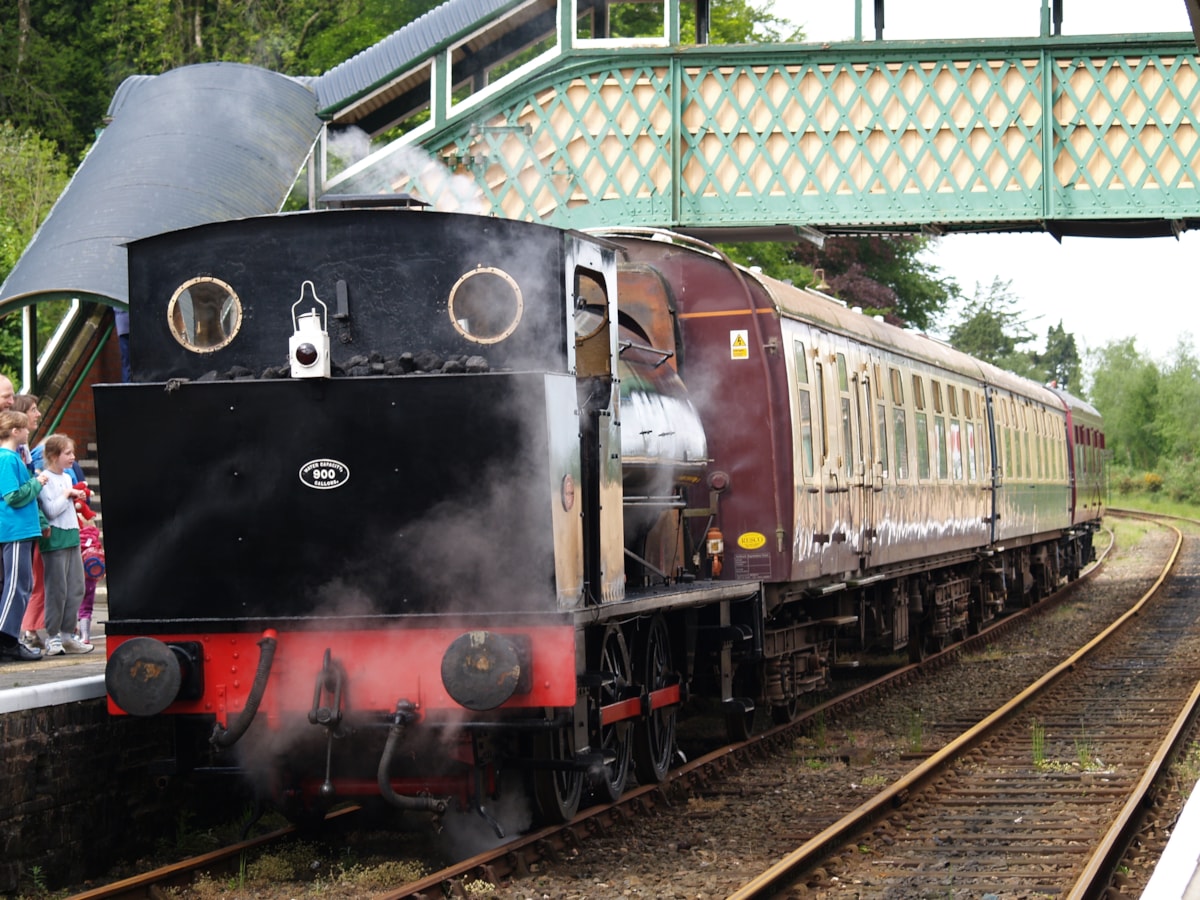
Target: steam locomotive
425, 507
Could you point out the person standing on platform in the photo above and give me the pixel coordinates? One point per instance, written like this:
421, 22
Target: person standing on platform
61, 557
7, 394
33, 630
20, 527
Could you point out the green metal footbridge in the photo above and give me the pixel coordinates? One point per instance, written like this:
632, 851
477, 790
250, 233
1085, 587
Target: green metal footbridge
1072, 135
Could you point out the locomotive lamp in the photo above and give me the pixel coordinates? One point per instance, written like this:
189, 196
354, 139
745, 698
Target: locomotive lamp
308, 349
715, 543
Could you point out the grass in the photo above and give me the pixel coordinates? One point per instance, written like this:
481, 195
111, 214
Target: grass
1154, 503
1188, 769
1037, 737
990, 653
916, 731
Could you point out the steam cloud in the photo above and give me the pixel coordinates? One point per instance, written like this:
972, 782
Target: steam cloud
407, 169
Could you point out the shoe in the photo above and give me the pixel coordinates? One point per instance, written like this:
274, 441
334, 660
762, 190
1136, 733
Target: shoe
54, 647
19, 653
71, 645
32, 639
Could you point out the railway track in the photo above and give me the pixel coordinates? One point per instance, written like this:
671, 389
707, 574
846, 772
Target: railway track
997, 810
560, 848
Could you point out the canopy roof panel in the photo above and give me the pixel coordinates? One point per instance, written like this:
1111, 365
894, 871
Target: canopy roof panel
198, 144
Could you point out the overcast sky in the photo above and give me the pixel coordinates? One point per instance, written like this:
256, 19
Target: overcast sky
1101, 289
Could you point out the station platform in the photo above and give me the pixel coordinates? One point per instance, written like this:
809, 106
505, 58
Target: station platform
1177, 875
58, 679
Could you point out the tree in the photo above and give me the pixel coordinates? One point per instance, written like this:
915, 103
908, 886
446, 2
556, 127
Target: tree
990, 328
32, 175
1060, 363
1177, 423
883, 275
51, 77
774, 259
730, 22
1124, 388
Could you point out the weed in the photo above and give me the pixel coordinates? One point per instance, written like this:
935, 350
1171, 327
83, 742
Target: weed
916, 731
818, 731
874, 781
817, 765
988, 654
1189, 769
1037, 735
238, 881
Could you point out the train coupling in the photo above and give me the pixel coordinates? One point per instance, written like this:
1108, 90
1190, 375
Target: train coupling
327, 694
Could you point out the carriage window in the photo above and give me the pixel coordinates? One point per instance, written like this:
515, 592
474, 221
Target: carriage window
883, 450
922, 445
843, 380
972, 473
900, 431
967, 404
897, 387
806, 443
823, 425
937, 395
918, 392
878, 382
486, 304
847, 439
939, 430
801, 360
956, 461
952, 396
204, 314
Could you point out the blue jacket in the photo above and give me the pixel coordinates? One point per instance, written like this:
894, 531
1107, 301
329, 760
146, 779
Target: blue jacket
19, 513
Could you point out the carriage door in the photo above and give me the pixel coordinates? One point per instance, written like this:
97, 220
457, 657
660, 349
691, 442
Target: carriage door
993, 480
809, 457
868, 480
844, 476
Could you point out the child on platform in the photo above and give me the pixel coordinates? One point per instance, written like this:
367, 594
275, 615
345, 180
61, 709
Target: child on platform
93, 571
62, 561
19, 529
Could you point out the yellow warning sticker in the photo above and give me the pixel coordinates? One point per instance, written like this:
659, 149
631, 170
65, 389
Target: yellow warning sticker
751, 540
739, 344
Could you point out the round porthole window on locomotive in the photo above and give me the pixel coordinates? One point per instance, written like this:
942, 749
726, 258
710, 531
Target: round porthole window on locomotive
485, 305
204, 314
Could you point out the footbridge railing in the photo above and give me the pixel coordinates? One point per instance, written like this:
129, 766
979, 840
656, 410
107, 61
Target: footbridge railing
1076, 135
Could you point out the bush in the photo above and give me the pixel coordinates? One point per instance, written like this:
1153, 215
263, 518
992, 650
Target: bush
1152, 482
1183, 480
1123, 483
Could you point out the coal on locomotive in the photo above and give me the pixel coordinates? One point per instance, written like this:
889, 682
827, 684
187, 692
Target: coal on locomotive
424, 507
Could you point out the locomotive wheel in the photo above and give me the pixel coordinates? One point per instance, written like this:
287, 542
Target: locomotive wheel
654, 737
616, 740
556, 791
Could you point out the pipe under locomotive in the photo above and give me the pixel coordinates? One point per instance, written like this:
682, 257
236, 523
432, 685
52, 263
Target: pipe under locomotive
417, 505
